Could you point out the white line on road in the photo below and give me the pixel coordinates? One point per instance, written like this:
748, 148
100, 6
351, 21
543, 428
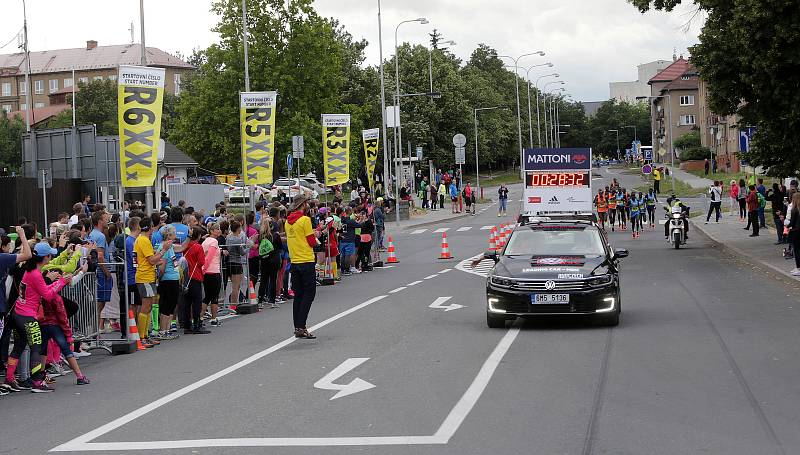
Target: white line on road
445, 271
418, 231
464, 228
414, 283
441, 230
431, 276
486, 228
394, 291
449, 427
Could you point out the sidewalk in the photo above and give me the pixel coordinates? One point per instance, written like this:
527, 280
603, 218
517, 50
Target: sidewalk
690, 179
729, 234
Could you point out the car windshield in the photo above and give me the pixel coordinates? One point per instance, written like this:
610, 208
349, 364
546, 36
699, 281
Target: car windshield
555, 241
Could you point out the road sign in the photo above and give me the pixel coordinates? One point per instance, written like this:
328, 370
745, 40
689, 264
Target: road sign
419, 153
45, 179
461, 155
289, 162
647, 169
662, 151
392, 116
648, 154
298, 147
459, 140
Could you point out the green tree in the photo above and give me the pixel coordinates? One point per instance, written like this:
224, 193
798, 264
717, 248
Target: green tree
97, 105
11, 130
748, 54
614, 115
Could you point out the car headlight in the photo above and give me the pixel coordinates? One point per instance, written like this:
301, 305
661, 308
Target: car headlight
504, 282
600, 280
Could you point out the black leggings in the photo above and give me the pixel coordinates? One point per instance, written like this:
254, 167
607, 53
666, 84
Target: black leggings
192, 304
651, 214
27, 330
212, 284
269, 278
742, 208
364, 249
612, 215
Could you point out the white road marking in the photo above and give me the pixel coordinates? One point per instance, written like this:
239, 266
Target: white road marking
418, 231
431, 276
441, 230
445, 270
414, 283
481, 269
449, 427
394, 291
486, 228
354, 386
437, 304
464, 228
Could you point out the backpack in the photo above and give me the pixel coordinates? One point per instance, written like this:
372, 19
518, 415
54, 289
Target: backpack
762, 201
265, 248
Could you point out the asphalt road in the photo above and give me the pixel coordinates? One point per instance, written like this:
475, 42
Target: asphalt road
705, 360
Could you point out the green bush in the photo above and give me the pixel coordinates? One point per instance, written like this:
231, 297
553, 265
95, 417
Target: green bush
695, 153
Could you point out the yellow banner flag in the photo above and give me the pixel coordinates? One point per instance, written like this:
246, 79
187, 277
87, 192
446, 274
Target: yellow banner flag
140, 96
371, 152
257, 120
336, 148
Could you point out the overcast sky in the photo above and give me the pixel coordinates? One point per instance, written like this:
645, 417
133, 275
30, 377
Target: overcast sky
591, 42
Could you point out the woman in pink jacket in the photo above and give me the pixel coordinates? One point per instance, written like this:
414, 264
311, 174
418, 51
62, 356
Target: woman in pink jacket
733, 192
32, 290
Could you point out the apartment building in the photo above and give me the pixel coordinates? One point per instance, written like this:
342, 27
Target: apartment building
720, 133
675, 103
628, 91
51, 72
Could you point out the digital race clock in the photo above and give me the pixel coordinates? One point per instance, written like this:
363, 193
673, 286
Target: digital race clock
558, 179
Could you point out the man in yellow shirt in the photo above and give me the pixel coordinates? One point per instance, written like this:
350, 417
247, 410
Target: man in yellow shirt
145, 261
301, 239
657, 180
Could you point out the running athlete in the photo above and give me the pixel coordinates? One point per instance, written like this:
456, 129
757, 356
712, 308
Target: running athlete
602, 207
642, 211
650, 200
621, 209
612, 208
634, 208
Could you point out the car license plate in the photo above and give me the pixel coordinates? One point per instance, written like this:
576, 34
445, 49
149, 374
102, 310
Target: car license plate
549, 298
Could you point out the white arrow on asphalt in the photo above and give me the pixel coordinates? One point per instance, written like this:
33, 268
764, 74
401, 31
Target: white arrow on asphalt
355, 386
439, 301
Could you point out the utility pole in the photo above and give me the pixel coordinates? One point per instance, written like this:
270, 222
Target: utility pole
148, 202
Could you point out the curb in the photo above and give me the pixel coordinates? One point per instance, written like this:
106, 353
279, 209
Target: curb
429, 223
744, 256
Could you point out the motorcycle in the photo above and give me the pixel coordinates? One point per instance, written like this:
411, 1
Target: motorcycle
677, 224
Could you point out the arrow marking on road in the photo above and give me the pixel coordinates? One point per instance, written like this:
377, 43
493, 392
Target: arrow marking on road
464, 228
437, 304
355, 386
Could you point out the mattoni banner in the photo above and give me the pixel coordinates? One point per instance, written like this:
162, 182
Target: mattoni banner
371, 141
558, 180
140, 98
336, 148
257, 121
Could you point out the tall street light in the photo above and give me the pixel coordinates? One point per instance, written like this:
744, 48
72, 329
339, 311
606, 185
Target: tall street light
516, 89
399, 135
547, 142
477, 176
430, 60
383, 111
616, 131
536, 86
528, 84
635, 136
671, 137
553, 113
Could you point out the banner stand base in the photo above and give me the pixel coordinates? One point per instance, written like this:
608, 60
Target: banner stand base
123, 347
247, 308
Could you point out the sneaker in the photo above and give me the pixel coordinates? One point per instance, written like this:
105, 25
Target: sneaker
42, 388
354, 270
12, 386
80, 354
795, 272
49, 380
216, 322
115, 326
291, 294
207, 315
3, 391
304, 333
26, 384
83, 380
153, 341
346, 273
147, 344
173, 327
55, 370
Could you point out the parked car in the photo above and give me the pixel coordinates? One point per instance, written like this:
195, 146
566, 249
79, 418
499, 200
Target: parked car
292, 187
316, 185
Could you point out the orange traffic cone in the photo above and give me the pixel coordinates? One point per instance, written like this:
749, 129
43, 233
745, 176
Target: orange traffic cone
392, 259
133, 332
492, 241
253, 295
501, 240
445, 254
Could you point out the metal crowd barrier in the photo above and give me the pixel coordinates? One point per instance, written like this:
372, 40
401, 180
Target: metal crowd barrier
85, 323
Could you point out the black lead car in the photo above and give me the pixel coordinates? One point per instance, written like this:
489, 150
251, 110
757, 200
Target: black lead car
559, 267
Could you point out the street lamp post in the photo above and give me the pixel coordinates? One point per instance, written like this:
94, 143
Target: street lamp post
383, 110
516, 89
477, 176
635, 136
547, 141
538, 126
616, 131
398, 128
671, 137
430, 60
554, 116
530, 117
